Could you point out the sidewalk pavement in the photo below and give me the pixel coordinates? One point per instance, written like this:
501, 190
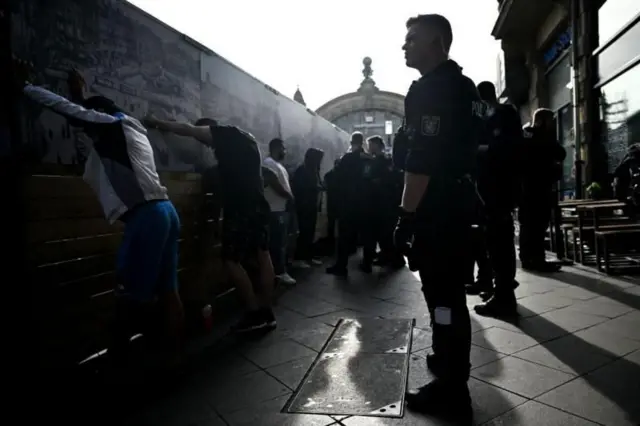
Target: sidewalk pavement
572, 359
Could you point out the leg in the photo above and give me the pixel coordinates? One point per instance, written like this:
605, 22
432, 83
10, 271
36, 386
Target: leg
346, 238
306, 229
138, 269
170, 300
502, 251
444, 288
235, 243
277, 241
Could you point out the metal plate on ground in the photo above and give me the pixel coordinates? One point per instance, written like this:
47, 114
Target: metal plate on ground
361, 371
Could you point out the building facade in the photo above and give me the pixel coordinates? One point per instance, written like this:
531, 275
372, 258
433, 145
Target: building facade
578, 58
368, 110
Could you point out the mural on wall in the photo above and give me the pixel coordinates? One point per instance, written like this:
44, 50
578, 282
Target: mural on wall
145, 66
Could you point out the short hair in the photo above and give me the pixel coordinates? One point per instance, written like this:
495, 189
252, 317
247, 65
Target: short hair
439, 23
487, 91
376, 140
542, 114
100, 103
275, 143
357, 138
204, 121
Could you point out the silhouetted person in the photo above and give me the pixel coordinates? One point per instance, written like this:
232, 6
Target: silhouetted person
541, 164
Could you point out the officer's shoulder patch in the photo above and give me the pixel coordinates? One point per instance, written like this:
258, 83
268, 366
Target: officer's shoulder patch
430, 125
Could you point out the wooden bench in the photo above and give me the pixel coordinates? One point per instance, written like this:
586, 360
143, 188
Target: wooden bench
71, 257
605, 237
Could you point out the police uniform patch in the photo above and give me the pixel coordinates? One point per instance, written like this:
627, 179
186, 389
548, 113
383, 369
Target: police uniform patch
430, 125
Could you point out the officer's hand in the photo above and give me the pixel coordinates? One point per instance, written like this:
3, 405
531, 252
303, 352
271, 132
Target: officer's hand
403, 234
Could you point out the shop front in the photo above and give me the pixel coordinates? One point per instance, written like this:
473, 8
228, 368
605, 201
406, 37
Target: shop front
617, 87
557, 61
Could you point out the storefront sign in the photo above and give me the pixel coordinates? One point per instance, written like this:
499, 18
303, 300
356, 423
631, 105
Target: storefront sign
561, 44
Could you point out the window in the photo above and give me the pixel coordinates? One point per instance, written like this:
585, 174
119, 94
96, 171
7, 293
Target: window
615, 14
620, 115
566, 138
624, 51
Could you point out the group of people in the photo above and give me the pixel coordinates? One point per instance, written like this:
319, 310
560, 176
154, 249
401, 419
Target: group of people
460, 166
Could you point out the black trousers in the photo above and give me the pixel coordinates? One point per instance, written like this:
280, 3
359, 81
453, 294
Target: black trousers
441, 250
480, 256
307, 219
378, 230
534, 221
351, 228
502, 251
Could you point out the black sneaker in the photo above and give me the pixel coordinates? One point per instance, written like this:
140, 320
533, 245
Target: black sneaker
252, 320
442, 400
498, 307
478, 287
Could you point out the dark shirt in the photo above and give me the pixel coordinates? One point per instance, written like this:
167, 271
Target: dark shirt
443, 116
542, 157
350, 177
499, 161
239, 167
444, 124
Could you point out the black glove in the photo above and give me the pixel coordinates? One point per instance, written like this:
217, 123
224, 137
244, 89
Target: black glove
403, 234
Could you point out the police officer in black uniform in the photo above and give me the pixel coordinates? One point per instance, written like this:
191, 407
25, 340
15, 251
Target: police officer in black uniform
499, 187
443, 123
350, 175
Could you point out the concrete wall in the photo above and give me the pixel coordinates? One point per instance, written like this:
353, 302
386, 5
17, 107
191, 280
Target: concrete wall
146, 66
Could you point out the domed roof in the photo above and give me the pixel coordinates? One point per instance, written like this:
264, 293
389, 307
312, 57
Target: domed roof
367, 97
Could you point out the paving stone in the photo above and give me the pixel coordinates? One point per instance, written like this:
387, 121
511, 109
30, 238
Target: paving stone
569, 354
627, 326
307, 306
552, 325
231, 395
611, 343
268, 414
501, 340
534, 413
602, 306
312, 334
521, 377
292, 372
333, 318
547, 300
421, 339
574, 293
266, 356
608, 395
482, 356
182, 408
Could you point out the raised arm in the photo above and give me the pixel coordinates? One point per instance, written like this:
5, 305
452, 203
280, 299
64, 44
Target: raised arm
201, 133
65, 107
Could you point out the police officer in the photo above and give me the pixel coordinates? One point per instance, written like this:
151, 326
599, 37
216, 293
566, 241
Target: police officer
350, 175
499, 187
442, 125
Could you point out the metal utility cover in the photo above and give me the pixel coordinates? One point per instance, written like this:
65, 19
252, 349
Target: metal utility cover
361, 371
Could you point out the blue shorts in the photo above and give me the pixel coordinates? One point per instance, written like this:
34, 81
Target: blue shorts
147, 262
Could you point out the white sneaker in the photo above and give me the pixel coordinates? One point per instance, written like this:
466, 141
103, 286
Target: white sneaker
301, 264
286, 279
317, 262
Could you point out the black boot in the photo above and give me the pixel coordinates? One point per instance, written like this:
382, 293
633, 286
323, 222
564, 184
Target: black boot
501, 305
447, 401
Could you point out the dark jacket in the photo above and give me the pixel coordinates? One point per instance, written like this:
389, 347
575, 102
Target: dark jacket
306, 183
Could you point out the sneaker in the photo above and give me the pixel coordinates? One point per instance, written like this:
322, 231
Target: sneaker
301, 264
286, 279
444, 401
252, 320
269, 318
316, 262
